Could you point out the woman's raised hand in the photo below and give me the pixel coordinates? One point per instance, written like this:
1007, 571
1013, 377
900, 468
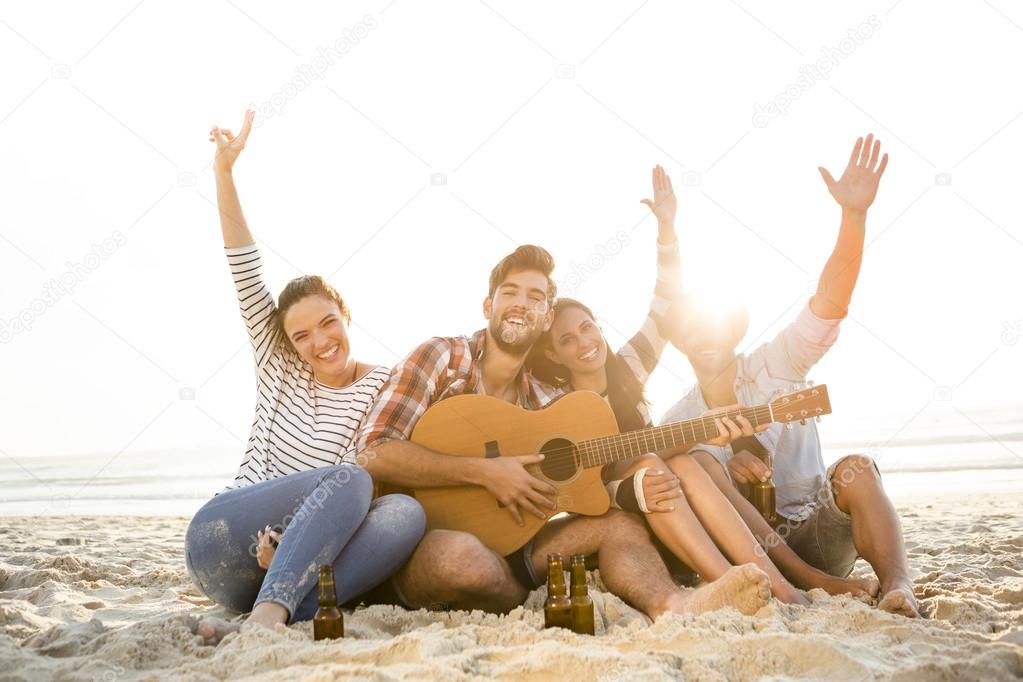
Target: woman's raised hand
663, 204
229, 146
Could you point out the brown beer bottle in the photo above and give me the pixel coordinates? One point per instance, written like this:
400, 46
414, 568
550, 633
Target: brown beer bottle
762, 495
328, 623
557, 610
582, 605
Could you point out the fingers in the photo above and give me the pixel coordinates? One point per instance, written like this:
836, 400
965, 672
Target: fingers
854, 157
751, 467
515, 514
529, 459
532, 509
250, 115
657, 483
540, 499
875, 153
747, 427
542, 486
733, 429
760, 470
740, 473
884, 164
218, 136
828, 180
865, 153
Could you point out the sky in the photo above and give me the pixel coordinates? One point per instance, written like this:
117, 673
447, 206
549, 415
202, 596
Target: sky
402, 149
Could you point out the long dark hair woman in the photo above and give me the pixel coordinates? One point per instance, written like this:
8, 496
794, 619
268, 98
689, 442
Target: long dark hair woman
298, 501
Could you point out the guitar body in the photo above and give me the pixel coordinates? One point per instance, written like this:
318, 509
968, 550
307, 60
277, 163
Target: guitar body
482, 426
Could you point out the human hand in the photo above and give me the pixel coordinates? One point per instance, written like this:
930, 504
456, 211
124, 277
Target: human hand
229, 146
857, 187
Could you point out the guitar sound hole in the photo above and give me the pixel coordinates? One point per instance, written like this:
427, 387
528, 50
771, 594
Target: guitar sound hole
559, 463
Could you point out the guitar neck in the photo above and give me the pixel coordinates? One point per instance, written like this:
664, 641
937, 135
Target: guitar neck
676, 435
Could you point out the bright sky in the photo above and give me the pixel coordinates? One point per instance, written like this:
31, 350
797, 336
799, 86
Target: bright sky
448, 134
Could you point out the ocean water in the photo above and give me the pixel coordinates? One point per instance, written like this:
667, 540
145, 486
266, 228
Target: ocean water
920, 457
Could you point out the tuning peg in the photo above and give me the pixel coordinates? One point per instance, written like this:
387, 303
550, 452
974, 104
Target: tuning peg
802, 422
788, 426
817, 419
809, 383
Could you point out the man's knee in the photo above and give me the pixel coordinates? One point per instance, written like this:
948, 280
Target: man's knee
855, 469
457, 560
621, 524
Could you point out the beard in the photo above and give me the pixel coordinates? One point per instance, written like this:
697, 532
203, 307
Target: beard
511, 342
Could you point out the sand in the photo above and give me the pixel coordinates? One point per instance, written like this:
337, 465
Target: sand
108, 598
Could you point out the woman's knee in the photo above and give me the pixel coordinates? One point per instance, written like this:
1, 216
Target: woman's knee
401, 516
354, 482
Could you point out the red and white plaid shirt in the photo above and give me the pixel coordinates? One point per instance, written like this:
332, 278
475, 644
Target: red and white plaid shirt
437, 369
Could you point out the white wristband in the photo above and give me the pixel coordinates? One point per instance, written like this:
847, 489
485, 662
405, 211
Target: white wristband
612, 492
637, 484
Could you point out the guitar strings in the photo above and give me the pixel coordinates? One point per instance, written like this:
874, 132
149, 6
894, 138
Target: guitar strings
560, 465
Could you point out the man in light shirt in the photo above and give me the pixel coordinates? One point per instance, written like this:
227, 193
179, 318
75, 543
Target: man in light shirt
828, 516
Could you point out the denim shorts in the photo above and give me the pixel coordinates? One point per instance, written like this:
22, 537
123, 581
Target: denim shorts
824, 539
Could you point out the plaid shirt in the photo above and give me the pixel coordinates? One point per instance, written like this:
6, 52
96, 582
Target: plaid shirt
437, 369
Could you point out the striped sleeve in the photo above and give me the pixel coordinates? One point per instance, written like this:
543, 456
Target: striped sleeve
254, 300
644, 349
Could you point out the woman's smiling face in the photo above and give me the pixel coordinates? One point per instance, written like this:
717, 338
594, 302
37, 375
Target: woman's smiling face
577, 342
318, 332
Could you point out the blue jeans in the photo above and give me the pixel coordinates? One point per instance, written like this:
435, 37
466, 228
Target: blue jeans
328, 517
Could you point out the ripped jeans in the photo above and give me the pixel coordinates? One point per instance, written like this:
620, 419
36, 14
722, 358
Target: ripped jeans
328, 517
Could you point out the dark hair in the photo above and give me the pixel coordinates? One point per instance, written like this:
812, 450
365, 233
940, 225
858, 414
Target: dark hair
526, 257
301, 287
624, 390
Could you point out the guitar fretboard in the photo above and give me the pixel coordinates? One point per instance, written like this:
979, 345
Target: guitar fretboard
607, 449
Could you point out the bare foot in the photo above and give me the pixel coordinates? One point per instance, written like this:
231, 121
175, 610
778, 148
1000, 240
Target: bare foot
266, 615
745, 588
901, 601
788, 594
212, 630
857, 587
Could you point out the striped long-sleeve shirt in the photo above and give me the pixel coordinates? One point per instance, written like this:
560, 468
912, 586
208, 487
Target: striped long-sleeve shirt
642, 352
299, 423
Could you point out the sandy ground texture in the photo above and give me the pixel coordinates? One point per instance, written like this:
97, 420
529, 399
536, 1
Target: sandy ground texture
108, 598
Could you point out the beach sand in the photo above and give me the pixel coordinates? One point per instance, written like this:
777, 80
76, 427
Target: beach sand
108, 598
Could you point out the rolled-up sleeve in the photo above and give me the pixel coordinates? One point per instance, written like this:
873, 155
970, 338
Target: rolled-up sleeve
406, 396
800, 345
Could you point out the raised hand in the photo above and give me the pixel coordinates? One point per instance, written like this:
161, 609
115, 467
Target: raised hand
663, 204
857, 187
229, 146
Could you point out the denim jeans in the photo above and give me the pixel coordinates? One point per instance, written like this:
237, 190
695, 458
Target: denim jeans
328, 517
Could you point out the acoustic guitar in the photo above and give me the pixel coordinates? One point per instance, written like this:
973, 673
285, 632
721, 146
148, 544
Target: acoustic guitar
578, 435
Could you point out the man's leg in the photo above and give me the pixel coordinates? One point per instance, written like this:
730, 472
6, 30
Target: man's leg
877, 533
633, 570
452, 569
802, 574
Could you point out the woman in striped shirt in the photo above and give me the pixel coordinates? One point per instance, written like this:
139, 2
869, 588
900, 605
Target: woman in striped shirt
298, 500
574, 356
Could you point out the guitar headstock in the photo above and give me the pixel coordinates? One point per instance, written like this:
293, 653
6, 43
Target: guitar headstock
802, 404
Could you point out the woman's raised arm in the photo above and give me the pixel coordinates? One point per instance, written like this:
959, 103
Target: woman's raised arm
232, 220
